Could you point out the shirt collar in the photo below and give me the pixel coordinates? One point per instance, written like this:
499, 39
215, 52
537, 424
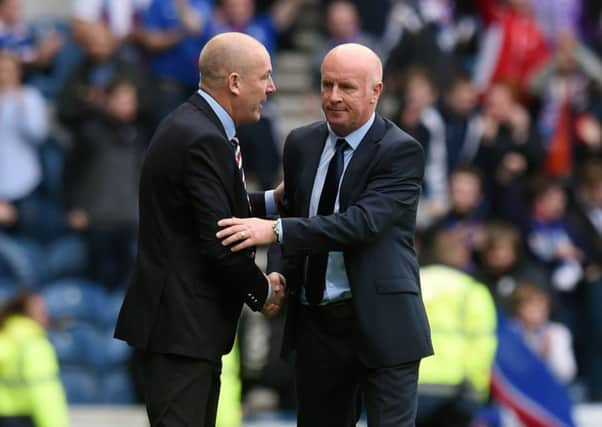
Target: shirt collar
221, 114
355, 137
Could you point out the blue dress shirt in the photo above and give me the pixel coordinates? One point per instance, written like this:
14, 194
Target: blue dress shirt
337, 282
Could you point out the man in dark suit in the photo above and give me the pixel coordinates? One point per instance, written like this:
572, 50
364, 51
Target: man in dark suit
356, 316
183, 304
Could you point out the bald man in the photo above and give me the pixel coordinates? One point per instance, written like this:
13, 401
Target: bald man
187, 289
356, 317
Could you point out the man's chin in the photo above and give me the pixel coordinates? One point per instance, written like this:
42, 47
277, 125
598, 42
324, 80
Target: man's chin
336, 119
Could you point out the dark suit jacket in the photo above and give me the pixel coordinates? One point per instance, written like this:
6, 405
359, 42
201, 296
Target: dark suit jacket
374, 229
187, 290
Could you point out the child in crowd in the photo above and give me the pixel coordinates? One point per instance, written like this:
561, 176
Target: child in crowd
552, 341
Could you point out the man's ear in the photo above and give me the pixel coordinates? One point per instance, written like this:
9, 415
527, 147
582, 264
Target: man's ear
376, 91
234, 83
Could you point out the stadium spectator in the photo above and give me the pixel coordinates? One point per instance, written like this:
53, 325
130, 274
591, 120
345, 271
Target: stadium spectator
419, 118
585, 218
24, 126
502, 263
466, 213
31, 390
513, 47
172, 34
510, 150
84, 94
552, 341
463, 128
343, 25
43, 54
431, 34
454, 382
101, 183
550, 239
118, 18
566, 122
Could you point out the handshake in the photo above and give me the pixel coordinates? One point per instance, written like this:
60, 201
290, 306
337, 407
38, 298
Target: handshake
242, 233
274, 303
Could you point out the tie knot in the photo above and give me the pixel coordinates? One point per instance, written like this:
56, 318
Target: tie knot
234, 141
341, 145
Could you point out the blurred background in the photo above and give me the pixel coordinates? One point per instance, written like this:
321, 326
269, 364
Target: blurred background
505, 97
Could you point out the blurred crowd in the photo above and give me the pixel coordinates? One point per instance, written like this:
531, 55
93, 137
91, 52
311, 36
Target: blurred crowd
505, 97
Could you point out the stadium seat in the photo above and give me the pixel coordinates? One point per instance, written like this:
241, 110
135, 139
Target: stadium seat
81, 386
76, 344
8, 289
75, 299
110, 310
117, 387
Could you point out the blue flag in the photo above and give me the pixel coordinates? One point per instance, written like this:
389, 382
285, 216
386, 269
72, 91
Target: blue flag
523, 383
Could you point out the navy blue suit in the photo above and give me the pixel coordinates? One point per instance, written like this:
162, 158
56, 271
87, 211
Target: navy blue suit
374, 229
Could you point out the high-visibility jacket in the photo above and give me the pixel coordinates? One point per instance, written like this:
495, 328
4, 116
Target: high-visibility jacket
30, 386
462, 317
229, 409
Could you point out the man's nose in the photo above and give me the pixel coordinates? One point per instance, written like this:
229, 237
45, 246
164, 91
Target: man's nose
335, 94
271, 86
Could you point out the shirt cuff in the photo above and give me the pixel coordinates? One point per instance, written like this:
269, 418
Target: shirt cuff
271, 209
280, 231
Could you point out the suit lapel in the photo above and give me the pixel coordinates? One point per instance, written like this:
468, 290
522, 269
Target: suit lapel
315, 146
359, 162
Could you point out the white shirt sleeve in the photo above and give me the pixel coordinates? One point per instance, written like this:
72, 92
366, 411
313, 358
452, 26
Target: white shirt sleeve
560, 357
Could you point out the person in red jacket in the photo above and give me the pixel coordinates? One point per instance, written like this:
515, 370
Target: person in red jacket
514, 45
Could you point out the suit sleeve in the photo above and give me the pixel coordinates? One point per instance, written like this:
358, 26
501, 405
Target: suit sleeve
206, 187
391, 194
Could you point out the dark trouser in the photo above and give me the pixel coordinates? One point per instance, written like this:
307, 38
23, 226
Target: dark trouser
453, 411
179, 391
330, 376
16, 421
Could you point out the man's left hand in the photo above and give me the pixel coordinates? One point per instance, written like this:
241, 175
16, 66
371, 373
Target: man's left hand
246, 231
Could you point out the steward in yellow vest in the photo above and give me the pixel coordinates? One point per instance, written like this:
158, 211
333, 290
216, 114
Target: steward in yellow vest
31, 394
454, 382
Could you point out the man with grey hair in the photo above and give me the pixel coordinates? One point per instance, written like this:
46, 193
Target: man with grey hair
185, 297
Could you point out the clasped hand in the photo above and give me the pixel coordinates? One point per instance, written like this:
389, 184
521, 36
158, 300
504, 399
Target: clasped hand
278, 285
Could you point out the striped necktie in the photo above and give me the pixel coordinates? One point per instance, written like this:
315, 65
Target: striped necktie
238, 158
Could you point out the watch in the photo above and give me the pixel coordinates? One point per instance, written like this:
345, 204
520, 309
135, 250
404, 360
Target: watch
276, 230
